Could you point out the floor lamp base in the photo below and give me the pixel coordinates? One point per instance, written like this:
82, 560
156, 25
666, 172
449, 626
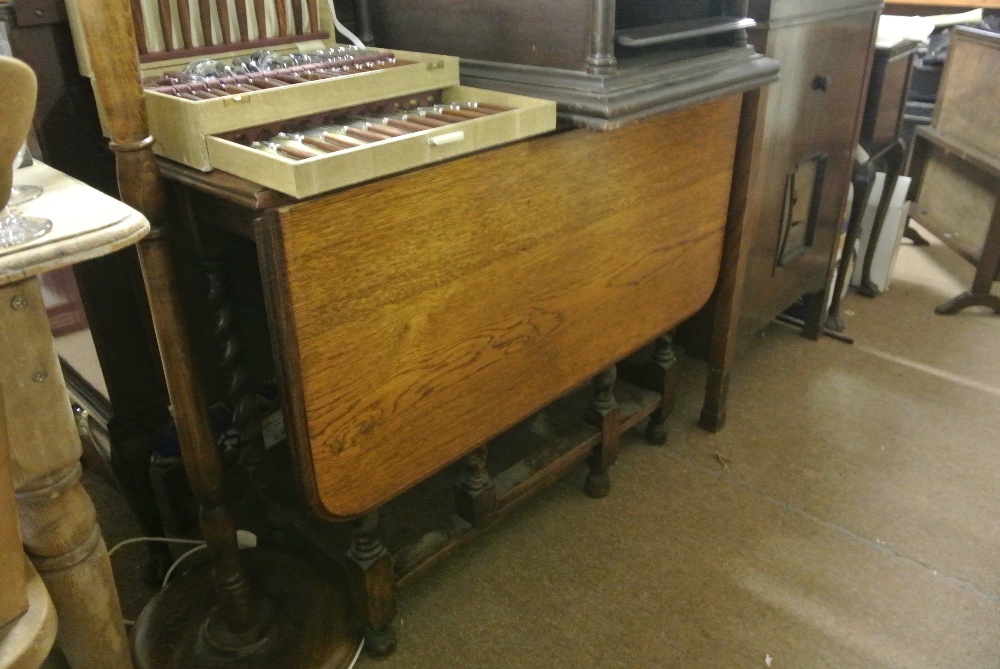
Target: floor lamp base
305, 626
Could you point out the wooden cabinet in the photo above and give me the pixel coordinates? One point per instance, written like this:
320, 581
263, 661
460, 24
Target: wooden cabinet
955, 165
811, 114
792, 176
885, 103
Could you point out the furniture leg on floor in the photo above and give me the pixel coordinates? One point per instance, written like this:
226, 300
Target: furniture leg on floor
58, 521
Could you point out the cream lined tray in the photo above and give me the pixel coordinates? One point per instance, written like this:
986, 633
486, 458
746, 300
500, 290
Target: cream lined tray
204, 133
304, 177
180, 127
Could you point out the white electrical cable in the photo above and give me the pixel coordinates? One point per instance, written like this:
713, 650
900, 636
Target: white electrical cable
244, 538
166, 540
170, 571
342, 29
357, 654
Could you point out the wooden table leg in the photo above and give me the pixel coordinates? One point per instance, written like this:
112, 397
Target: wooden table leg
605, 414
663, 365
475, 493
658, 374
895, 155
13, 577
987, 272
58, 521
863, 180
744, 203
27, 641
373, 586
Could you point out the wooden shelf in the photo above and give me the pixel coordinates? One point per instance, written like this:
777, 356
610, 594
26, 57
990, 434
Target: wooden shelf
965, 151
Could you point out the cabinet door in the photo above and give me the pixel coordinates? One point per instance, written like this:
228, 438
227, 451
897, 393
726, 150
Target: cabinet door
791, 111
811, 124
838, 127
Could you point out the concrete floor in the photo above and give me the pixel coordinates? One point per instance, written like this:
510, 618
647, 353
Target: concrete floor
847, 516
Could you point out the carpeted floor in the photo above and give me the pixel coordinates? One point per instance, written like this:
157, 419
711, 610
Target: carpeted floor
846, 517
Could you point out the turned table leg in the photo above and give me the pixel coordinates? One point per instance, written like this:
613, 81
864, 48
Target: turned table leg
658, 374
475, 494
13, 572
605, 414
58, 521
373, 585
664, 362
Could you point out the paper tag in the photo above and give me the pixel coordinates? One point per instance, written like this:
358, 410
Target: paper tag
5, 49
272, 429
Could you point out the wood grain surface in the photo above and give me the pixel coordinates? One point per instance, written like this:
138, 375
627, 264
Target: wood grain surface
13, 575
802, 120
423, 314
966, 108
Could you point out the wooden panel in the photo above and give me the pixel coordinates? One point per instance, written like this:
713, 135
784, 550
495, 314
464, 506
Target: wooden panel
426, 313
777, 12
960, 196
801, 120
838, 131
891, 103
789, 118
967, 104
545, 34
886, 99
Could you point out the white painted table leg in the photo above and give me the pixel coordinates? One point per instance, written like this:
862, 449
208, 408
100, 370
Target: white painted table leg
58, 521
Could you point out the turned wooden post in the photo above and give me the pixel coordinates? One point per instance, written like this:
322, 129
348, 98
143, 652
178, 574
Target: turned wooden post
58, 521
373, 585
13, 577
604, 414
13, 593
475, 494
601, 59
740, 8
658, 374
664, 364
230, 346
223, 325
363, 21
110, 38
